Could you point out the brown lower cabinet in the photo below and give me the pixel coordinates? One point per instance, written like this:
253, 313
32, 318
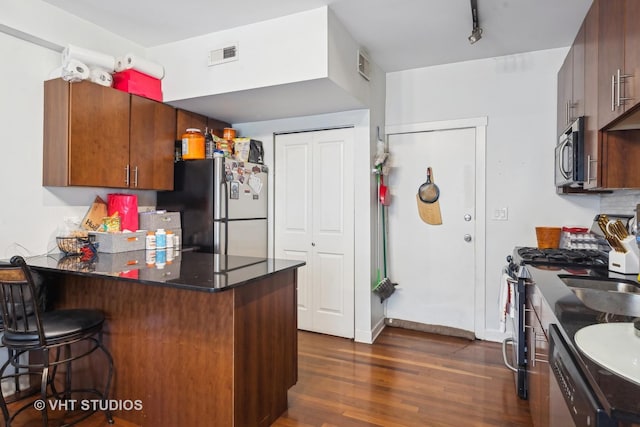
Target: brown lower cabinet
192, 358
537, 324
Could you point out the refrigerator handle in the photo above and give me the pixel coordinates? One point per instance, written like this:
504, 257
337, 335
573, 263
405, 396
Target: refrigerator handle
219, 196
226, 216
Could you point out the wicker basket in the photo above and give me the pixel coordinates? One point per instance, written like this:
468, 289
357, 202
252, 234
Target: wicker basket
548, 237
74, 245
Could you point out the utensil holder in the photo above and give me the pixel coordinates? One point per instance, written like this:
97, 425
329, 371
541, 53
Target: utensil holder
625, 262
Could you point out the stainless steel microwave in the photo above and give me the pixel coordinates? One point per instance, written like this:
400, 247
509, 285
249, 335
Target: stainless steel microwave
570, 165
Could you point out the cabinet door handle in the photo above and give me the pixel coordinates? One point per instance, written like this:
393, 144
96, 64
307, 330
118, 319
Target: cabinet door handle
613, 92
621, 77
589, 161
126, 175
135, 177
618, 88
534, 357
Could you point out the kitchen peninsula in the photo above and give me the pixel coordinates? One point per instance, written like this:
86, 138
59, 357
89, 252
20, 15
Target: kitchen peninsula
203, 340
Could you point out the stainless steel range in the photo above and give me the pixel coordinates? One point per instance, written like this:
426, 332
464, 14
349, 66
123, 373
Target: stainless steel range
563, 257
517, 358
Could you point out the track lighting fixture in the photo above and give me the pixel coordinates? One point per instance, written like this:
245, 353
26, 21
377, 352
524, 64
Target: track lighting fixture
476, 32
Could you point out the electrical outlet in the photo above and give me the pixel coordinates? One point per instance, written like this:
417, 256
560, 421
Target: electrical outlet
501, 214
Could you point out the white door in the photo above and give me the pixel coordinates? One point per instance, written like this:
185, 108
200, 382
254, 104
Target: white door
434, 265
314, 222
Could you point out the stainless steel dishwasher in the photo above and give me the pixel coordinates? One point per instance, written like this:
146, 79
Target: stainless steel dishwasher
580, 406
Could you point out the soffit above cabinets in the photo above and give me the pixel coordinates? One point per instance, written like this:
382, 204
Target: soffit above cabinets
307, 98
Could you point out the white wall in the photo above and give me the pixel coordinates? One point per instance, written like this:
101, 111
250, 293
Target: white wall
41, 22
30, 213
343, 62
278, 51
518, 95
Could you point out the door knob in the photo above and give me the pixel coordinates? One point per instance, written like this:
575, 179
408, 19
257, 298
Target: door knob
467, 217
467, 237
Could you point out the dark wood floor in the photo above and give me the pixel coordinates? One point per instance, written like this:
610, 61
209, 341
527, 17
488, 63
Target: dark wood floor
407, 378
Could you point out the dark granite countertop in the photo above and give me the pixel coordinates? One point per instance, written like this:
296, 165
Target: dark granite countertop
620, 396
196, 271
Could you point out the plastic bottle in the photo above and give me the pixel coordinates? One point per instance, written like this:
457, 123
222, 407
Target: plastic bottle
170, 237
150, 258
161, 238
193, 144
161, 259
209, 144
150, 240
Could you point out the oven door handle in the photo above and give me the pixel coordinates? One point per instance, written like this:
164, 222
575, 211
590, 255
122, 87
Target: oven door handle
504, 354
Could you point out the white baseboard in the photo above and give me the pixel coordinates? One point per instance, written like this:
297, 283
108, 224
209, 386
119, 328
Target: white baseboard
368, 337
495, 335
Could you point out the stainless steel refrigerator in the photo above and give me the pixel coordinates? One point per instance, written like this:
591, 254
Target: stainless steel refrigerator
223, 205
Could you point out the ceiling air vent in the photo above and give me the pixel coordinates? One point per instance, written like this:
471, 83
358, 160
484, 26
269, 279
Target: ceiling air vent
226, 54
363, 64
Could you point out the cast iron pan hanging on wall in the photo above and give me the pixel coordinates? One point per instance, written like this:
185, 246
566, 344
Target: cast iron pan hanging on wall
428, 199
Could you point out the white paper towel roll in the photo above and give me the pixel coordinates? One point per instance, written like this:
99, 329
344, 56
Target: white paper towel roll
134, 62
74, 71
120, 64
101, 77
56, 73
89, 57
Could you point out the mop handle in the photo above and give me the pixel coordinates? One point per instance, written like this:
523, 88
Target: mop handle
384, 243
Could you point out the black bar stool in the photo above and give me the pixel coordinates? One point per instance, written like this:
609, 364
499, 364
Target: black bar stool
34, 340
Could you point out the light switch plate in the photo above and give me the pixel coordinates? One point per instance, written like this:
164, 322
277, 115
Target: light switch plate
500, 214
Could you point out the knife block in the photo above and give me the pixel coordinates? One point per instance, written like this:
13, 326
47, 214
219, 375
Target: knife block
625, 262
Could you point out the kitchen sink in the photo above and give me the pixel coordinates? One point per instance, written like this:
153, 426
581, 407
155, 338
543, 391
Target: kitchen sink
616, 296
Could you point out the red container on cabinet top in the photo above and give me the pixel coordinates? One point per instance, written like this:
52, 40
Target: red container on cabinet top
138, 83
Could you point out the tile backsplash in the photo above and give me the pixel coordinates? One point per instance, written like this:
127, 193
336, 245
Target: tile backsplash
621, 202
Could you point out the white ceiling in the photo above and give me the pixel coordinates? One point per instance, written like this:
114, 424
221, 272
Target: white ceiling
398, 34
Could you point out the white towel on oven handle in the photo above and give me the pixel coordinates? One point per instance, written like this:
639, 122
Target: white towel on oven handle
506, 299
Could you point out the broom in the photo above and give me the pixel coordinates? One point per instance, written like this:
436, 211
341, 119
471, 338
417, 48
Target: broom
384, 288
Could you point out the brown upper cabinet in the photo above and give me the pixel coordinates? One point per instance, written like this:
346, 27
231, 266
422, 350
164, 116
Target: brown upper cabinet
187, 119
618, 59
591, 129
151, 148
97, 136
610, 40
571, 83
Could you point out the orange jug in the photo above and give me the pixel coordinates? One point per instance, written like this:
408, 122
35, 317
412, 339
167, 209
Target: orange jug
193, 144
